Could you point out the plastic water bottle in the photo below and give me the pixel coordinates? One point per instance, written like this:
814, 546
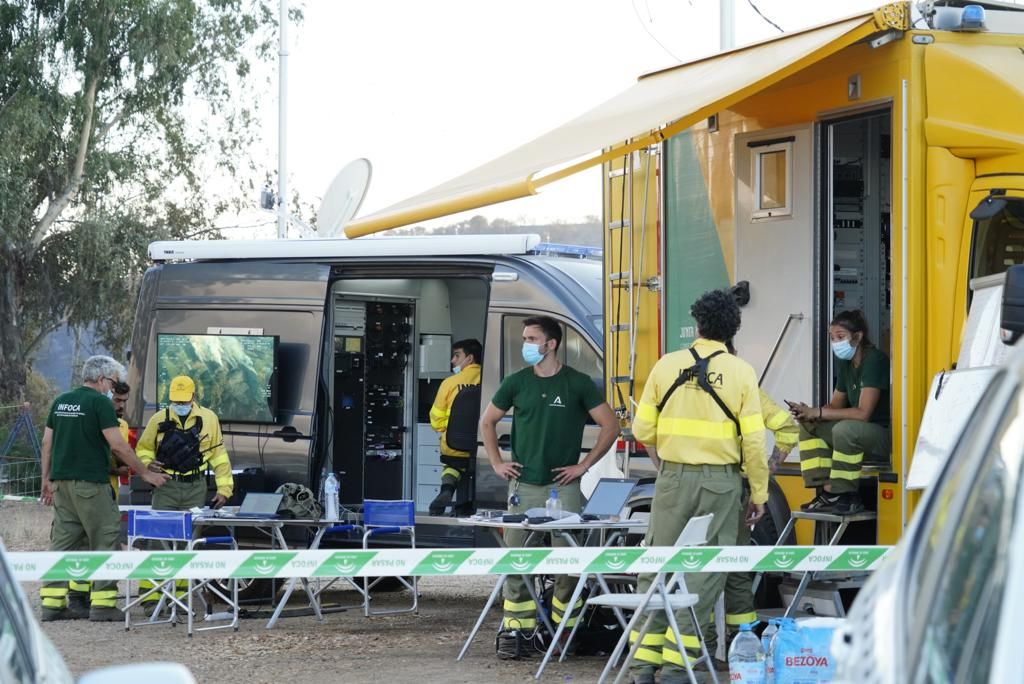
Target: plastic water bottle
553, 507
746, 657
785, 640
331, 488
767, 639
320, 492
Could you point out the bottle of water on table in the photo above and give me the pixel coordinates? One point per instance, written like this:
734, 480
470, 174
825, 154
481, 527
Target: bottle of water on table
553, 507
331, 488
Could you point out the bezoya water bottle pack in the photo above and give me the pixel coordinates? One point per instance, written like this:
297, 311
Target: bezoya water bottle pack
788, 652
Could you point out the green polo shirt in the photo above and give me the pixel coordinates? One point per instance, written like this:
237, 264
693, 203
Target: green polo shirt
548, 419
79, 450
873, 371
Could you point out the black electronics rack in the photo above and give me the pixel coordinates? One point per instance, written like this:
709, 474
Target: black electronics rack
388, 347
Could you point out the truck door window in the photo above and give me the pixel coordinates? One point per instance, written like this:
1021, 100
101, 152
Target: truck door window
999, 241
575, 351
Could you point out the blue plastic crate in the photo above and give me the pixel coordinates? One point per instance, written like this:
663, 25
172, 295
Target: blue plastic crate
400, 513
160, 524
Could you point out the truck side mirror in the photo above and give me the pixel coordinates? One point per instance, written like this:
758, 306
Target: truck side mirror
1011, 319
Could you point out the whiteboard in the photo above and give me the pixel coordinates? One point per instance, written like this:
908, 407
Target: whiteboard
945, 416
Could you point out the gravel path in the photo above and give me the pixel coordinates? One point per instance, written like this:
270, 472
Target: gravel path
346, 647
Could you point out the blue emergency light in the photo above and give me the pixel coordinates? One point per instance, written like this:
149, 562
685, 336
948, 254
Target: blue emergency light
973, 18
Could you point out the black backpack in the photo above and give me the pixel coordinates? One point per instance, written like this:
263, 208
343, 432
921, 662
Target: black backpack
179, 449
464, 419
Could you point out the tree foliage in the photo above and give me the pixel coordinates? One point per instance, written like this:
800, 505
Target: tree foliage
110, 112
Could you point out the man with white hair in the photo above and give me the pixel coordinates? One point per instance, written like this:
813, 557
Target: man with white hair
81, 432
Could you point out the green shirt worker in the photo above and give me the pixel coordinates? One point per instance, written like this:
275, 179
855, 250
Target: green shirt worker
81, 432
551, 403
834, 438
703, 443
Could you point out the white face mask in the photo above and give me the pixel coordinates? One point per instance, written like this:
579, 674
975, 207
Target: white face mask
109, 394
532, 353
456, 369
843, 349
181, 410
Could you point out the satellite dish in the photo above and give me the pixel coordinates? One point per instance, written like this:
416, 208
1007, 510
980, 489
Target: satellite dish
343, 198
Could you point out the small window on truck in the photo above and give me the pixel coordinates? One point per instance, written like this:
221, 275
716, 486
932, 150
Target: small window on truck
773, 180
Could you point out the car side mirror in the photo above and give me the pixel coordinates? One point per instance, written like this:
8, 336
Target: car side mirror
1011, 318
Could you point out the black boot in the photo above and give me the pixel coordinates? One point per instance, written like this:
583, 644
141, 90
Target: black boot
442, 500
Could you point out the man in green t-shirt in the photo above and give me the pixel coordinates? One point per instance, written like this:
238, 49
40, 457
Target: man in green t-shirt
551, 405
81, 432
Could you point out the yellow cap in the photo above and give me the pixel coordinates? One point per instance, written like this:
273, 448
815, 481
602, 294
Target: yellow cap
182, 388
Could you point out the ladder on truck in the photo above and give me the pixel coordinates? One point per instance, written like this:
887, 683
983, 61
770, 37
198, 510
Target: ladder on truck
626, 247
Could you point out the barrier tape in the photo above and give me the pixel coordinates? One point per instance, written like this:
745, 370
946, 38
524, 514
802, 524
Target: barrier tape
28, 499
120, 565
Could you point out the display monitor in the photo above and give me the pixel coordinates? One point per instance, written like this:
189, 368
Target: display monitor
235, 375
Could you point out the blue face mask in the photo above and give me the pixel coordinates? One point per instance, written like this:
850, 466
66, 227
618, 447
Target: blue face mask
457, 369
109, 395
843, 350
531, 353
181, 409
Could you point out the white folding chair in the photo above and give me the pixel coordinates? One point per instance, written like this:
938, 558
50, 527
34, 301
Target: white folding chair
668, 596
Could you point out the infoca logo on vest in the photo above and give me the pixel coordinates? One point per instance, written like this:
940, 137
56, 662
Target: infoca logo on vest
69, 407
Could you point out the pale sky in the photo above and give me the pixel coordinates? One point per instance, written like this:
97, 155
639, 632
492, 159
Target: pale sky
429, 90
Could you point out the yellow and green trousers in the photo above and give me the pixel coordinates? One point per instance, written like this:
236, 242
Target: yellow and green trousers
85, 517
832, 451
682, 492
739, 594
519, 609
175, 495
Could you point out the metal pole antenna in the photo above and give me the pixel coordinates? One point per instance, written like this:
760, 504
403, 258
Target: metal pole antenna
726, 25
282, 127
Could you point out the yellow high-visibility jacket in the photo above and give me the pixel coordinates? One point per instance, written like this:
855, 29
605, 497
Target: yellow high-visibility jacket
115, 481
692, 428
442, 408
211, 442
781, 423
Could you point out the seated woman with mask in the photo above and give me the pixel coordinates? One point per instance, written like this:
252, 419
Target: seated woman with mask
834, 438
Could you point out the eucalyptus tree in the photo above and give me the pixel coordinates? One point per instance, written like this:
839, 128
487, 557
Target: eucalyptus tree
116, 119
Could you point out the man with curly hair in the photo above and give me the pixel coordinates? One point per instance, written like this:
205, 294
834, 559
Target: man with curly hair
700, 419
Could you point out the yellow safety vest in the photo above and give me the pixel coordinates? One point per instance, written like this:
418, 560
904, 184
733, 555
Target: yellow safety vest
442, 408
692, 428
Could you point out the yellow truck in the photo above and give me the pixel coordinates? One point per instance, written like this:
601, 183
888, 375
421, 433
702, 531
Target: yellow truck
844, 180
876, 163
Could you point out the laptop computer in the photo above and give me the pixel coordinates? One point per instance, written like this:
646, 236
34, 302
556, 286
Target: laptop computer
608, 498
259, 505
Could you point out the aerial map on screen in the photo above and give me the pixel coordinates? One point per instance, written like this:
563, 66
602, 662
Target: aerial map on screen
234, 374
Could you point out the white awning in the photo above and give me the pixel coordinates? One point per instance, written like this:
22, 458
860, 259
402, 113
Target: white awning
658, 106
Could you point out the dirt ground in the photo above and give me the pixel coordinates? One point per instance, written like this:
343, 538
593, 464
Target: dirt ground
346, 647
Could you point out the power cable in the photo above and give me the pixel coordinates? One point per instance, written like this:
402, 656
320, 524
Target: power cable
760, 14
632, 4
